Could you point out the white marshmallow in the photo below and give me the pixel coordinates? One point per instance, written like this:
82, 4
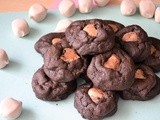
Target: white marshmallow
157, 15
62, 25
3, 58
85, 6
20, 27
10, 108
37, 12
128, 7
101, 2
67, 8
147, 8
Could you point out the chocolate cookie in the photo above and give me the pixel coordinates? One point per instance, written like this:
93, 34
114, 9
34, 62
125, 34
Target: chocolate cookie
63, 64
116, 26
113, 70
46, 41
50, 90
134, 41
90, 37
93, 103
84, 75
145, 87
153, 60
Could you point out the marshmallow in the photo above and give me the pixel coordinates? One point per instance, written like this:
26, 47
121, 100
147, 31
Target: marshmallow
37, 12
157, 15
20, 27
3, 58
62, 25
67, 8
128, 7
85, 6
101, 2
147, 8
10, 108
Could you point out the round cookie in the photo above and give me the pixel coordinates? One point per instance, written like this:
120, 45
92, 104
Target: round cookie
50, 90
90, 37
113, 70
63, 64
46, 41
135, 42
153, 60
145, 87
93, 103
116, 26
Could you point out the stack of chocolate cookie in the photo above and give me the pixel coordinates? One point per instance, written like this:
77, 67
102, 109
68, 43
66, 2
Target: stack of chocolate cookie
113, 59
56, 79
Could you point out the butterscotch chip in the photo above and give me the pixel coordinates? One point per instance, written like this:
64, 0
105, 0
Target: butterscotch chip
113, 62
153, 49
114, 27
140, 74
69, 55
91, 30
96, 94
56, 40
130, 37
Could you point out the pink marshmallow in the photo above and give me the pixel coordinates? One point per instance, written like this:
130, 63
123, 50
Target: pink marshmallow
147, 8
10, 108
128, 7
37, 12
67, 8
62, 25
20, 27
101, 3
157, 15
3, 58
85, 6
